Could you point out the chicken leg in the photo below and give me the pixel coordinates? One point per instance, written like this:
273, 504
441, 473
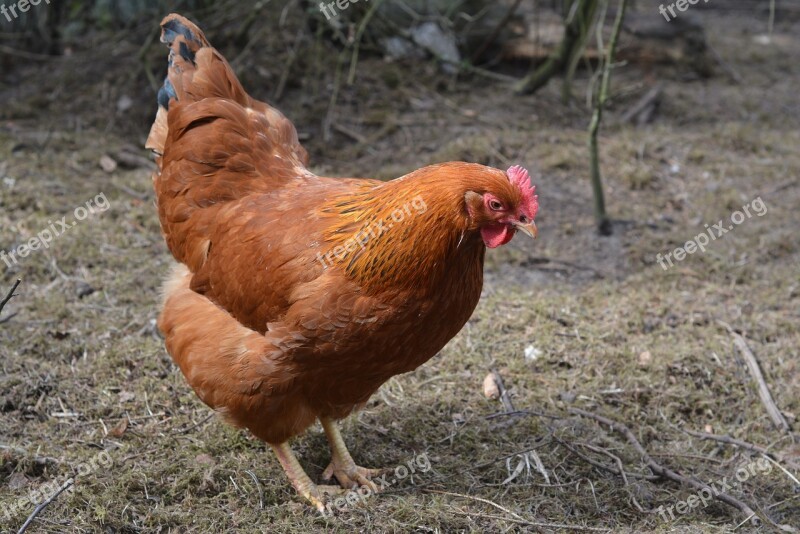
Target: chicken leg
297, 476
342, 466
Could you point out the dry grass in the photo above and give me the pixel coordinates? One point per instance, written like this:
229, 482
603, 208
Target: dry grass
84, 372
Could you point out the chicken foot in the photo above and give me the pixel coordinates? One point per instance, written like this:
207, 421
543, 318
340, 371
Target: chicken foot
342, 466
313, 493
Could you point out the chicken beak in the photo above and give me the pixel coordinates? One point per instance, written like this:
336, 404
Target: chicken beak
528, 229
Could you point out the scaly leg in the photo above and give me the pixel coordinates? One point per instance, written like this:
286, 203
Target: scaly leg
342, 466
299, 479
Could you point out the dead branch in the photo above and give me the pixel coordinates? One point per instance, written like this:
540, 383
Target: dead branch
602, 466
504, 397
755, 370
643, 109
555, 526
601, 217
617, 461
729, 440
10, 295
665, 472
500, 27
44, 505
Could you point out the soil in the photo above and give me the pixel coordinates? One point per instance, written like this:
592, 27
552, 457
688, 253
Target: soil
571, 320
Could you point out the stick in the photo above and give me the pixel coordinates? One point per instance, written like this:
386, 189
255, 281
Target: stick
600, 465
493, 36
556, 526
729, 440
729, 70
665, 472
650, 98
504, 398
44, 504
351, 78
479, 499
601, 217
755, 370
258, 485
10, 295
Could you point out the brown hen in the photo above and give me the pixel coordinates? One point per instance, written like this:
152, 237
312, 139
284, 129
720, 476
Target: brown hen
296, 296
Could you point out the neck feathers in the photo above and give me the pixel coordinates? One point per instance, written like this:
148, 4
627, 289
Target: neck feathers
408, 233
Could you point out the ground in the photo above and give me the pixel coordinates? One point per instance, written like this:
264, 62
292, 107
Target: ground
87, 389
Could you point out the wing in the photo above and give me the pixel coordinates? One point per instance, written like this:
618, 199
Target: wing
215, 143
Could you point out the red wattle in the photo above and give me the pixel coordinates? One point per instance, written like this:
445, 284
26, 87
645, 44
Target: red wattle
496, 235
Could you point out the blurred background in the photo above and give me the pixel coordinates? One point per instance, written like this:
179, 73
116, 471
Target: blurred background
700, 118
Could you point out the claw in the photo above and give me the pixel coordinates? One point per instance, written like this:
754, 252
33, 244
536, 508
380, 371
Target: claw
314, 494
350, 476
342, 466
319, 496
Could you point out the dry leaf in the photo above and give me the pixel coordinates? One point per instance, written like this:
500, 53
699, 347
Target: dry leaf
119, 430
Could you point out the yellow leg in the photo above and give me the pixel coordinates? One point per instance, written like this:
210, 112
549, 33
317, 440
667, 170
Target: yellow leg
342, 466
297, 476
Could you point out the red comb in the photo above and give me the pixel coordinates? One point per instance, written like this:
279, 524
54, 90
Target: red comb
519, 176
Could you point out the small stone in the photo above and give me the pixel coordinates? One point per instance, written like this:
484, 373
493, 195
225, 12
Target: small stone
107, 163
490, 389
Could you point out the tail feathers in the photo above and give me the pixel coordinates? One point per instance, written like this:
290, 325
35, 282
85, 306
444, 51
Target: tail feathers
196, 71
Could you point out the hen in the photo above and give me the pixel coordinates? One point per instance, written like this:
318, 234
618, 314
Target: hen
296, 296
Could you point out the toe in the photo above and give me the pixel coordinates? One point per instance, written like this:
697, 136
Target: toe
320, 496
328, 473
364, 481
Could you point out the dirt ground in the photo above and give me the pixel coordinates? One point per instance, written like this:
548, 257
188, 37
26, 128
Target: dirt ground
570, 322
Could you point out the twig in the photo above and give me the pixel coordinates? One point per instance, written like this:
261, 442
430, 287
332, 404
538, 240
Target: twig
258, 485
727, 67
786, 471
599, 465
10, 295
470, 469
479, 499
662, 471
531, 523
287, 68
729, 440
601, 217
44, 505
351, 78
755, 370
352, 134
617, 461
189, 429
493, 36
26, 55
521, 412
337, 85
642, 108
504, 397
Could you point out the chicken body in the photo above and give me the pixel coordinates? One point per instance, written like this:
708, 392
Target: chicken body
297, 296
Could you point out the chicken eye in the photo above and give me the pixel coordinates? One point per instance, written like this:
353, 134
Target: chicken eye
495, 205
